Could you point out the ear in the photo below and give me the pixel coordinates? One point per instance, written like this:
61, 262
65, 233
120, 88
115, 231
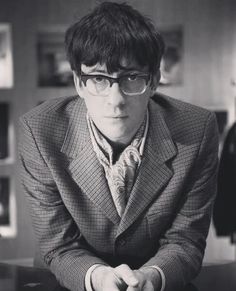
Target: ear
155, 80
78, 84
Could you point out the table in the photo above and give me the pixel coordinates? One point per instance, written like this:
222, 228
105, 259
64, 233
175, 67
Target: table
19, 278
216, 277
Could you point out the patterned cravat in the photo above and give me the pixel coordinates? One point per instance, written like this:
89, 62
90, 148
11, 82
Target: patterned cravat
121, 174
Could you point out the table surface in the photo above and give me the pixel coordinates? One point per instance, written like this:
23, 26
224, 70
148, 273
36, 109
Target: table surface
215, 277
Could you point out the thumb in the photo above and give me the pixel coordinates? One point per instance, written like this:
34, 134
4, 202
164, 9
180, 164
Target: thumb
127, 275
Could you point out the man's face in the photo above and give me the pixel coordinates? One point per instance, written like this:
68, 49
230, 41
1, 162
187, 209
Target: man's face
117, 115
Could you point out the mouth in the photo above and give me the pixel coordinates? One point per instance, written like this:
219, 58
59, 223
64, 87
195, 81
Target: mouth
117, 117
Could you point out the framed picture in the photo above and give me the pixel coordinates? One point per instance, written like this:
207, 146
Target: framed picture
6, 59
7, 136
7, 208
4, 125
172, 61
53, 68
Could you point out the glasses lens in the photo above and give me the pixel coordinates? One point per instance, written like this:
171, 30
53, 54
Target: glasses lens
132, 85
97, 85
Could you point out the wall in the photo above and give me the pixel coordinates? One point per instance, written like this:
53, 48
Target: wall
209, 29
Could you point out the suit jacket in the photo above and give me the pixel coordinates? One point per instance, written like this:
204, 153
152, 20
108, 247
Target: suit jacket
168, 213
224, 214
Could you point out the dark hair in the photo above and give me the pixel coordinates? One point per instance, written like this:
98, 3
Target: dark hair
111, 32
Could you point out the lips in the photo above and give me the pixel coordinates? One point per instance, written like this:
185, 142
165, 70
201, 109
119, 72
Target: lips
117, 117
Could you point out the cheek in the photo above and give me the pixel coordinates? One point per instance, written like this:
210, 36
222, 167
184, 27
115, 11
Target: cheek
139, 105
90, 101
94, 106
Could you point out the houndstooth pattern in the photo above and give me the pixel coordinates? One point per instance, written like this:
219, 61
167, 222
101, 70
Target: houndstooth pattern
169, 209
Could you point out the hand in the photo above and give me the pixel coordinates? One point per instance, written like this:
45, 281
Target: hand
122, 278
104, 278
149, 280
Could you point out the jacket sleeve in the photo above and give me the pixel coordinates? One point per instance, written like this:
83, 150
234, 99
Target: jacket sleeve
62, 247
182, 246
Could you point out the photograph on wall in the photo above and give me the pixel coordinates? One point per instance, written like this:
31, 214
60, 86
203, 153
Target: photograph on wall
6, 59
53, 67
7, 208
4, 126
172, 61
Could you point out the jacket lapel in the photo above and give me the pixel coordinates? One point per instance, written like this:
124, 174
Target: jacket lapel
154, 172
84, 167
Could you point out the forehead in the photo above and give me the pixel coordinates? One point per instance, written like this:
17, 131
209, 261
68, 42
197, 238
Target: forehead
125, 65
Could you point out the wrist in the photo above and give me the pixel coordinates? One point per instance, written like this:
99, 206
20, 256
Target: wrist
97, 276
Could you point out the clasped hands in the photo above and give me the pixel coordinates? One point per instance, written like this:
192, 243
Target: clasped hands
122, 278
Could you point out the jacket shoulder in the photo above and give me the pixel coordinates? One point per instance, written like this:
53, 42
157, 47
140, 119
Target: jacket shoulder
48, 122
170, 104
51, 107
184, 120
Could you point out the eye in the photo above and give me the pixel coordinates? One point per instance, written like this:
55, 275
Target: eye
132, 77
99, 79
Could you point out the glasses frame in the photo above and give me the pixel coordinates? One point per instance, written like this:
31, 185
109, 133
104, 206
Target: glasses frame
112, 80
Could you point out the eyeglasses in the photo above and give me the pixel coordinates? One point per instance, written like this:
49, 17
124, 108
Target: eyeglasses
129, 84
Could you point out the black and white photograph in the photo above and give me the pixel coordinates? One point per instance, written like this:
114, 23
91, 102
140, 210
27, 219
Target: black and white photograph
53, 67
7, 209
4, 130
6, 59
4, 202
117, 145
172, 60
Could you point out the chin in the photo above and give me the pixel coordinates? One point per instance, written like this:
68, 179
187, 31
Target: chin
115, 136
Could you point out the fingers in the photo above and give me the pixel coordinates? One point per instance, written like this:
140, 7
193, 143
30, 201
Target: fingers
104, 278
144, 283
113, 283
147, 286
124, 273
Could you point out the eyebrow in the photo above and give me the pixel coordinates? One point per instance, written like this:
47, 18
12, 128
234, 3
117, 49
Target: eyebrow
95, 69
99, 71
123, 70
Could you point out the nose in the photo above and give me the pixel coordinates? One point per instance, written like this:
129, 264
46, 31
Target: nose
116, 98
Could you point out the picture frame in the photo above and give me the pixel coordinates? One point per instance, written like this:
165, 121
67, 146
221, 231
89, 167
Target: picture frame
6, 56
4, 132
7, 208
172, 61
7, 135
53, 68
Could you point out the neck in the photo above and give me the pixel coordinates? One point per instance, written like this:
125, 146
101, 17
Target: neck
117, 149
117, 146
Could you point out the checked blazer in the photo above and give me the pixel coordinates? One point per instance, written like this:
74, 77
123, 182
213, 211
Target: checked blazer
167, 216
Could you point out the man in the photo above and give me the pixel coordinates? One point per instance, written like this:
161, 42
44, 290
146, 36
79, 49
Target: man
120, 180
